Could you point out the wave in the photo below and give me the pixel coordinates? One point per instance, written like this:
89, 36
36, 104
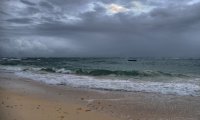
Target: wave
115, 85
88, 79
96, 72
48, 70
104, 72
147, 73
64, 71
11, 68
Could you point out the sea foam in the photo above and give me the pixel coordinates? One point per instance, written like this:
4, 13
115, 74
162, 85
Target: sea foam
67, 77
114, 85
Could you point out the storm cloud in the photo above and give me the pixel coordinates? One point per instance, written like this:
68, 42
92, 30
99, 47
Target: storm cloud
84, 28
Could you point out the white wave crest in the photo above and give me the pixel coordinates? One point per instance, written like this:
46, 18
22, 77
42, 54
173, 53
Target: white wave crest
108, 84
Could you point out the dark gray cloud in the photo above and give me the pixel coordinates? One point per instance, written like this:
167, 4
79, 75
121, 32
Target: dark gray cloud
27, 2
100, 28
20, 20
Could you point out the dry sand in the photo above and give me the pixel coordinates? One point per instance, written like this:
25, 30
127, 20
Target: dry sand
23, 107
24, 99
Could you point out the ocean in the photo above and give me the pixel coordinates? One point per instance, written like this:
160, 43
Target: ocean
174, 76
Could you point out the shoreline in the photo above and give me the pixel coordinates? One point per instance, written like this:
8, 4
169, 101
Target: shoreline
21, 99
111, 104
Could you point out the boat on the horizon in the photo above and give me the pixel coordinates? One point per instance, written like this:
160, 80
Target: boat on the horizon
132, 60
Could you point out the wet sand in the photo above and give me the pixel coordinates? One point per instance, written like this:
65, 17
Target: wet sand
24, 99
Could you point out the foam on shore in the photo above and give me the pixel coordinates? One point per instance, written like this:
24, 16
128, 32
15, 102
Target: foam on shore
116, 85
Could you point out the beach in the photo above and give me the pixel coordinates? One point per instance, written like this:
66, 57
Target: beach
99, 60
19, 103
24, 99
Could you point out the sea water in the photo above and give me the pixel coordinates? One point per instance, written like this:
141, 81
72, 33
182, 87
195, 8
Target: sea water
176, 76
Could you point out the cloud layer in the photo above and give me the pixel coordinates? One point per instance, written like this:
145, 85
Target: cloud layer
64, 28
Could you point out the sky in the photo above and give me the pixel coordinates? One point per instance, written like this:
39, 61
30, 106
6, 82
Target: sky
100, 28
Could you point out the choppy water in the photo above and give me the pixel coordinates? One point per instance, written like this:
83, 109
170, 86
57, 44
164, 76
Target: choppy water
166, 75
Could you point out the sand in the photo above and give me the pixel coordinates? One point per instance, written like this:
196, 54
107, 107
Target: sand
21, 102
15, 106
24, 99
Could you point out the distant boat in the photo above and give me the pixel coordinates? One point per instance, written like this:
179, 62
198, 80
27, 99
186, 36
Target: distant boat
132, 60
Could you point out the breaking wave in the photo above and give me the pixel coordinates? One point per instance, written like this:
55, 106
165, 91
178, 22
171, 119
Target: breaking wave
115, 85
